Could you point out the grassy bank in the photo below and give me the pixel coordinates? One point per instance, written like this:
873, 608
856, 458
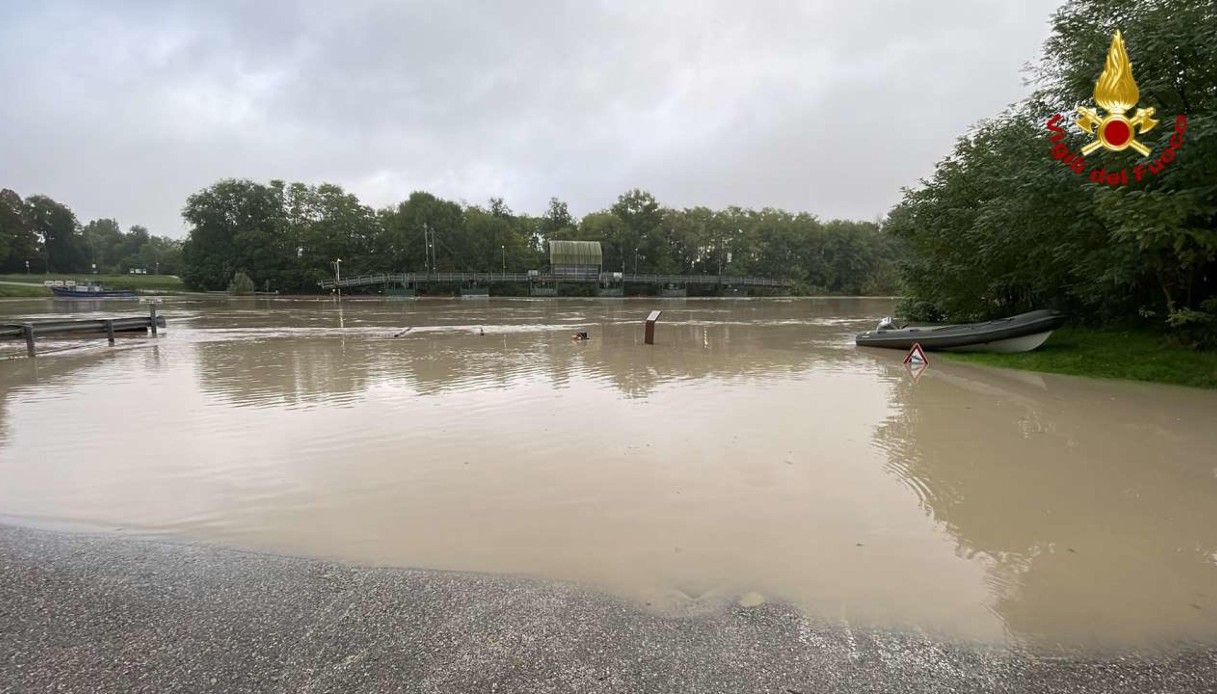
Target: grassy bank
1132, 355
12, 290
169, 283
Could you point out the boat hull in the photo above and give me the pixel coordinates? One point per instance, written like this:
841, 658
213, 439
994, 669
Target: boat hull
1021, 333
62, 293
1026, 343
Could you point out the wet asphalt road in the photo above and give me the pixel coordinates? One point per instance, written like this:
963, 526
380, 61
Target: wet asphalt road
100, 613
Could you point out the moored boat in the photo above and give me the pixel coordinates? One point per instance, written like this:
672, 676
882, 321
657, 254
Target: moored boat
90, 291
1021, 333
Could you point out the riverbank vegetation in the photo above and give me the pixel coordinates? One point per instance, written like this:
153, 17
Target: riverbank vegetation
39, 235
1003, 227
9, 291
1133, 354
166, 283
287, 237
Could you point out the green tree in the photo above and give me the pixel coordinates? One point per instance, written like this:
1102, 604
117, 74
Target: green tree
1002, 227
103, 238
18, 242
235, 226
557, 218
421, 231
641, 243
61, 246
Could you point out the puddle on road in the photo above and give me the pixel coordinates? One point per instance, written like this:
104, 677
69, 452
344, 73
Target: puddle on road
753, 454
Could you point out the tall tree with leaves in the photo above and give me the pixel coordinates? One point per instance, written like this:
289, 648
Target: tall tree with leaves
1001, 226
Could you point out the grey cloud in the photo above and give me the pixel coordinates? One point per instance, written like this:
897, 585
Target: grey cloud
124, 109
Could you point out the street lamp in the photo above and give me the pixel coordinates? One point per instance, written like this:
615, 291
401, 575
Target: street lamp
338, 275
27, 267
504, 247
635, 261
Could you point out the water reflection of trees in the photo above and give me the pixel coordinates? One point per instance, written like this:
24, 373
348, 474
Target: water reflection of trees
325, 368
1096, 512
284, 371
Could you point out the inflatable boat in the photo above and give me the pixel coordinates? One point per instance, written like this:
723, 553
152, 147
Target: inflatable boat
1021, 333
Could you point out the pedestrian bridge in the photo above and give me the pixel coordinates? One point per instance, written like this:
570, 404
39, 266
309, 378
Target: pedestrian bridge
408, 279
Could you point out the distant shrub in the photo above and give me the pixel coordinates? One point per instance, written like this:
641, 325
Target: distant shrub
1195, 329
241, 285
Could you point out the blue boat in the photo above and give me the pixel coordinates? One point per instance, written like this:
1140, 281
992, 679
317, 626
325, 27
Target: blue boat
91, 291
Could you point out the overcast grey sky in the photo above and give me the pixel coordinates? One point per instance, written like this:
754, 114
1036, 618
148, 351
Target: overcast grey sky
122, 109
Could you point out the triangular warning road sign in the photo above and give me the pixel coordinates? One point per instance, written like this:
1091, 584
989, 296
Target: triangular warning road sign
916, 356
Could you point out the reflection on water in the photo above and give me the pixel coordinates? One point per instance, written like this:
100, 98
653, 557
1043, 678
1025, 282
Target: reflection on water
753, 450
1092, 504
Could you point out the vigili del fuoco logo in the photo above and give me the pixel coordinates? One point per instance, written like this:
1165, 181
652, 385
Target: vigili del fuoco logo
1116, 94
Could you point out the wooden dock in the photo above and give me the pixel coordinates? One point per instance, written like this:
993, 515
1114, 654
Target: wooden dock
82, 327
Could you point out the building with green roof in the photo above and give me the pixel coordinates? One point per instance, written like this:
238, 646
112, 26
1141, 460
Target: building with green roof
575, 260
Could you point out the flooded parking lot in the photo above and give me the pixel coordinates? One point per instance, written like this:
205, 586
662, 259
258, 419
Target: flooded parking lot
752, 454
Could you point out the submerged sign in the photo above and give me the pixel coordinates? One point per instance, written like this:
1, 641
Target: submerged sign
1116, 93
916, 355
915, 361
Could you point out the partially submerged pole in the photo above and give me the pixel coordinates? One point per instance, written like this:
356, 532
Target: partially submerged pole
152, 301
649, 335
28, 330
110, 331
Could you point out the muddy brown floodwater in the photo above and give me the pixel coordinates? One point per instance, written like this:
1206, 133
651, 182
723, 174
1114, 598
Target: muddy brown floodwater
753, 453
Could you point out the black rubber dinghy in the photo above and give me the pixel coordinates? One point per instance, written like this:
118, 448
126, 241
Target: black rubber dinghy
1021, 333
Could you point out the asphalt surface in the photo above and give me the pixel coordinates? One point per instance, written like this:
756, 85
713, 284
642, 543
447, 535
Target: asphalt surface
100, 613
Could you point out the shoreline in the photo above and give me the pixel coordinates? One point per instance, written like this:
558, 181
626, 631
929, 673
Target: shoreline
1127, 355
93, 612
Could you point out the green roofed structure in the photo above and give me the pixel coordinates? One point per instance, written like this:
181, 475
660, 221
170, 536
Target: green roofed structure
575, 260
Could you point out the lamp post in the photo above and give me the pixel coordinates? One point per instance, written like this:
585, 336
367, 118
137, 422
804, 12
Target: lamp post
27, 267
635, 261
338, 275
504, 247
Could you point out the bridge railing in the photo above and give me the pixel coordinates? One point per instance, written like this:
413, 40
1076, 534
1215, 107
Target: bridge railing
500, 277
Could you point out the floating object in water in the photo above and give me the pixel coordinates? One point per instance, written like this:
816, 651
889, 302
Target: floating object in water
580, 336
1021, 333
404, 331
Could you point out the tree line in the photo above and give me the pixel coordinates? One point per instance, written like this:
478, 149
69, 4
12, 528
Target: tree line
288, 237
39, 235
1002, 226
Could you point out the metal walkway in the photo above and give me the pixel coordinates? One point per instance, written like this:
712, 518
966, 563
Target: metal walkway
415, 278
